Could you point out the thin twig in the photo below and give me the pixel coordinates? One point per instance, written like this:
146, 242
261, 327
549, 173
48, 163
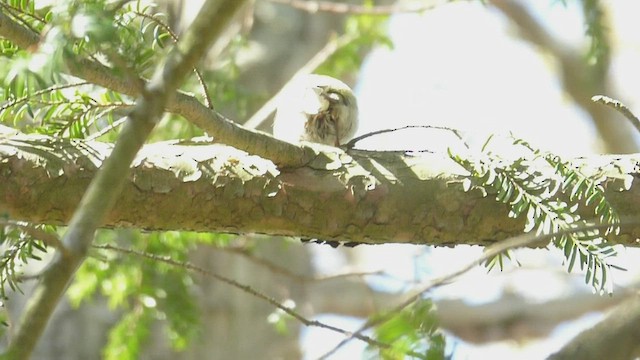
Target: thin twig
246, 288
205, 89
275, 268
106, 129
26, 98
620, 107
355, 140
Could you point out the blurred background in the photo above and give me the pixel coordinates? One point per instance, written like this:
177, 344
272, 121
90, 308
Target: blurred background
521, 68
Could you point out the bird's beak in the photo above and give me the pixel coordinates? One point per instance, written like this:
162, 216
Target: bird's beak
323, 100
316, 102
319, 90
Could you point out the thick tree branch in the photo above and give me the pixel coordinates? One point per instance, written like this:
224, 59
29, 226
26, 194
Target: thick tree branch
513, 317
616, 337
357, 196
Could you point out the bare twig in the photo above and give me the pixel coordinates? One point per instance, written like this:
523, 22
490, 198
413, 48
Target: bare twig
106, 129
247, 289
286, 272
205, 90
620, 107
355, 140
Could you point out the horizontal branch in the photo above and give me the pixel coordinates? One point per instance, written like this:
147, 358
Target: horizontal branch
513, 317
615, 337
356, 196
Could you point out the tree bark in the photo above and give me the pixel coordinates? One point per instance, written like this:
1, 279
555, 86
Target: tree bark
616, 337
358, 196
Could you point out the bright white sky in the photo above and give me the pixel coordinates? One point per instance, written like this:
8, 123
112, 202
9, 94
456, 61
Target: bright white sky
462, 66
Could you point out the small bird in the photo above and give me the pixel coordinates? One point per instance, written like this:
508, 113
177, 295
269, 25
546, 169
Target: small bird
317, 108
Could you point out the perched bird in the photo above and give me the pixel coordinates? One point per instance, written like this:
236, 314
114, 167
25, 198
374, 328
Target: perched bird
317, 108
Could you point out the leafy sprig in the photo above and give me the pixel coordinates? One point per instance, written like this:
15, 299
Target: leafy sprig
19, 248
37, 96
74, 110
153, 292
412, 331
551, 194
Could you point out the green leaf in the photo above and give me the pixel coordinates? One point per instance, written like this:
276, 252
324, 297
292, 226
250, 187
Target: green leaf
550, 194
